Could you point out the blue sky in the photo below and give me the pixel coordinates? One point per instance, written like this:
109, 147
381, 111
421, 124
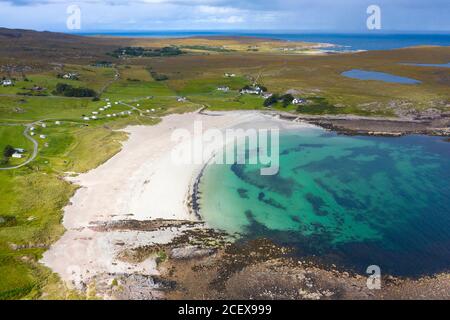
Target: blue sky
326, 15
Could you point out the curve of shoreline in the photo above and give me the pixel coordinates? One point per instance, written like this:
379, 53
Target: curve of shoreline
140, 200
140, 184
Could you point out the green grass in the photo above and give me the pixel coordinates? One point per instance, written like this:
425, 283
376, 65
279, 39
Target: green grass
27, 109
208, 85
13, 136
91, 77
17, 280
35, 200
128, 88
32, 197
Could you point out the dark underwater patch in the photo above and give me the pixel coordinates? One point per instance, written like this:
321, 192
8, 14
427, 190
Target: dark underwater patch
317, 204
270, 202
275, 183
243, 193
348, 201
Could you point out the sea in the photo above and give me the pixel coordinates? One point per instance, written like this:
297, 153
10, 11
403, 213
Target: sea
341, 41
351, 201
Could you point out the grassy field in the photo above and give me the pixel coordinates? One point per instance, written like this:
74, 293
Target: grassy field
13, 136
320, 77
32, 197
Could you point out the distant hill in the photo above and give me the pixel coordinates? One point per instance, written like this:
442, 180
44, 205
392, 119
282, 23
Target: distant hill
35, 47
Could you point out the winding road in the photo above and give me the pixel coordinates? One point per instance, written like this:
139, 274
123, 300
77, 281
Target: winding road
28, 126
35, 148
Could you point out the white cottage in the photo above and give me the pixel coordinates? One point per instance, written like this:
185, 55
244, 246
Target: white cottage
298, 101
7, 83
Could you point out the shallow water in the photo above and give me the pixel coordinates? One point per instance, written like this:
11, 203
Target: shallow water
352, 201
379, 76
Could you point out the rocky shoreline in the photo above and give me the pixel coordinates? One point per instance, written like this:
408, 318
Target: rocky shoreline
202, 263
438, 125
260, 269
174, 256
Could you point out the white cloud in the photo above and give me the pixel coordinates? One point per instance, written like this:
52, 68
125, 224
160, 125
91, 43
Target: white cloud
211, 14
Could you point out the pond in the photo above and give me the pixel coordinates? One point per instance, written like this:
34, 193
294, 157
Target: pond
378, 76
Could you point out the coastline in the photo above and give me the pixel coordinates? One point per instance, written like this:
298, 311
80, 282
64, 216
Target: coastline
121, 210
139, 184
433, 125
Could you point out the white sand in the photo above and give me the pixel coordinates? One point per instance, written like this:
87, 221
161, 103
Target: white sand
141, 183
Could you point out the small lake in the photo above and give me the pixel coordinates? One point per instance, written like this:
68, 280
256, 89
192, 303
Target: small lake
437, 65
378, 76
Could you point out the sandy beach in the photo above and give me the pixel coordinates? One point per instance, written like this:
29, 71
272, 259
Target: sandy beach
140, 183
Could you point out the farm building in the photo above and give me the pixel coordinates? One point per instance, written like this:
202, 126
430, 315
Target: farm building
298, 101
70, 76
224, 89
7, 83
251, 90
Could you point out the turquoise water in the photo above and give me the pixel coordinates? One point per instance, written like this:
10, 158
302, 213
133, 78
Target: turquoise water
351, 201
379, 76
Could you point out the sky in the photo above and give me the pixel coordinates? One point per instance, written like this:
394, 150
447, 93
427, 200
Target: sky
274, 15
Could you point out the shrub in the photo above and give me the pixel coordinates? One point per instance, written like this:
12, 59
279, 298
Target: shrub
69, 91
161, 256
271, 100
8, 151
158, 76
4, 161
146, 52
287, 99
